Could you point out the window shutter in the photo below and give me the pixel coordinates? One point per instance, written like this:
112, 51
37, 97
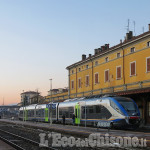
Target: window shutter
72, 84
118, 72
106, 76
148, 64
87, 80
79, 83
133, 68
96, 78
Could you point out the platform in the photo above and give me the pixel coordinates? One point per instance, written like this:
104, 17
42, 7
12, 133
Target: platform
81, 131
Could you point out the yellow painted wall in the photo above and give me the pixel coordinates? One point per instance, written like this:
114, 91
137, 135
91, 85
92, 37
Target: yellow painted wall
140, 54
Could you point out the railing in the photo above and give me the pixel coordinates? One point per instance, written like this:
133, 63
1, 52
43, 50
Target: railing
114, 89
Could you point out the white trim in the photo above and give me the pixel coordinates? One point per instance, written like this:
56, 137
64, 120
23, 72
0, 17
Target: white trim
148, 44
87, 66
94, 77
108, 75
146, 64
78, 83
85, 80
133, 49
130, 68
116, 72
117, 54
106, 58
97, 63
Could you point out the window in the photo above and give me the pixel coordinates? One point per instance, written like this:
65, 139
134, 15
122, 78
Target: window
87, 66
72, 71
132, 50
67, 111
96, 78
106, 59
79, 83
148, 44
79, 69
96, 63
148, 64
132, 69
106, 75
72, 84
95, 112
118, 55
87, 80
118, 73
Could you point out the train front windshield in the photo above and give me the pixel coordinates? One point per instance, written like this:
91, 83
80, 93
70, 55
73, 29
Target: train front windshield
128, 105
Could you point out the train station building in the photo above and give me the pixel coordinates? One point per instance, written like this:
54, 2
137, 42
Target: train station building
123, 69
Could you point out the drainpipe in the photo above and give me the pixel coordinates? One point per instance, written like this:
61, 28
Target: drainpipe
123, 65
92, 78
69, 83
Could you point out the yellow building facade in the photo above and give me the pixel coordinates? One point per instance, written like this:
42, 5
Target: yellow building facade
119, 69
113, 60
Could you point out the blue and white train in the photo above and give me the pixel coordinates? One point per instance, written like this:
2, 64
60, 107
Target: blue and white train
105, 111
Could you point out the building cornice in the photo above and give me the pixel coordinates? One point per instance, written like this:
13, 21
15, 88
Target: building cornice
114, 48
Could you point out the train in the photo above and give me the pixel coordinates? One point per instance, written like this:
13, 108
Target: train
101, 111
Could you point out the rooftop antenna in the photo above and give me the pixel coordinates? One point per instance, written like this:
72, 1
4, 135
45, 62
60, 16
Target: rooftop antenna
143, 29
128, 25
134, 27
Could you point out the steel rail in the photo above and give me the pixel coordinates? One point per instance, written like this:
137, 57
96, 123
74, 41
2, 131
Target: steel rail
11, 143
23, 138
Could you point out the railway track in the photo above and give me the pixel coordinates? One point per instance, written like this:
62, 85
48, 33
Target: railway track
20, 142
33, 134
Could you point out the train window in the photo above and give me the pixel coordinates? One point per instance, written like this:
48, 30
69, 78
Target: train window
113, 105
98, 109
42, 112
95, 112
91, 110
68, 111
21, 113
53, 113
60, 112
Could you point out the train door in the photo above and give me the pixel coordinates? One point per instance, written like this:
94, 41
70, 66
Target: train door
77, 114
46, 114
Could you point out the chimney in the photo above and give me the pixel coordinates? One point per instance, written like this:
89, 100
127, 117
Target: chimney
90, 55
103, 48
149, 26
95, 51
129, 35
106, 46
83, 56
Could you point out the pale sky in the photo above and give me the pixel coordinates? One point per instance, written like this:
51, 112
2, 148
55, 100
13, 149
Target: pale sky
40, 38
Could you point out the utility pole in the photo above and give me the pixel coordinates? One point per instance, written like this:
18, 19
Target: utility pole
3, 109
3, 101
51, 102
23, 105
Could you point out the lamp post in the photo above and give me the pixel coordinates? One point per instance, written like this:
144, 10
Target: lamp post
51, 102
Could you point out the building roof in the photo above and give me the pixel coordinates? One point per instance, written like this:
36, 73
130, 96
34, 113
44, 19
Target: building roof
30, 92
120, 45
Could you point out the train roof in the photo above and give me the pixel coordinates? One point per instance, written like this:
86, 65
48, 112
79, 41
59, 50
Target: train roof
82, 101
28, 107
40, 106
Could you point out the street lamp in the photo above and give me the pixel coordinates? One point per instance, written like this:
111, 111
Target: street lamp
51, 102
